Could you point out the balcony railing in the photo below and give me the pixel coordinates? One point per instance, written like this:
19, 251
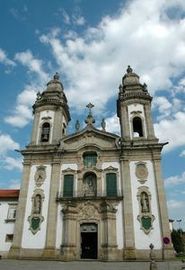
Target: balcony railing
79, 195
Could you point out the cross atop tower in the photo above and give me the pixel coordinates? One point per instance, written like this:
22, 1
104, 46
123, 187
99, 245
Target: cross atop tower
90, 106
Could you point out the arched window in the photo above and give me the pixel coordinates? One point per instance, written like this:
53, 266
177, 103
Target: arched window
90, 159
137, 127
111, 184
45, 132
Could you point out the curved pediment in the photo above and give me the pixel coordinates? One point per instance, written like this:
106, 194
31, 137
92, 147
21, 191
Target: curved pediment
90, 137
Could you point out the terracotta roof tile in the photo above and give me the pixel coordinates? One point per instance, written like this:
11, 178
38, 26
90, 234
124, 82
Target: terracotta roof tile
9, 193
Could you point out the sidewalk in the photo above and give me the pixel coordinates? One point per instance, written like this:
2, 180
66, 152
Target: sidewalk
84, 265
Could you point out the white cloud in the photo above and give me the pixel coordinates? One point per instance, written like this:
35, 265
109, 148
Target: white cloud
13, 163
141, 35
7, 144
33, 64
78, 20
174, 204
182, 154
5, 60
112, 124
22, 112
175, 180
171, 130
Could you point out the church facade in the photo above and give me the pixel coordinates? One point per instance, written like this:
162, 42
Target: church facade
92, 194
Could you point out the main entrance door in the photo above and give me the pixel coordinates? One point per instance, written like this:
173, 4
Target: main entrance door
89, 237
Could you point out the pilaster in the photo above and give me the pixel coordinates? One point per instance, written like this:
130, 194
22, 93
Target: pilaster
129, 242
168, 251
20, 215
57, 126
35, 129
50, 247
149, 123
69, 245
125, 129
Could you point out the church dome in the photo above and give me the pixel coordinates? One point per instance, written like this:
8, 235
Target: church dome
130, 78
55, 84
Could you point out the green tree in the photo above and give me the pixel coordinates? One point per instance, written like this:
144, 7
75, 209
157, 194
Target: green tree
177, 240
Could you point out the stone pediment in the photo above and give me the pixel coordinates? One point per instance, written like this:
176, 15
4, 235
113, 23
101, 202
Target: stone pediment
90, 137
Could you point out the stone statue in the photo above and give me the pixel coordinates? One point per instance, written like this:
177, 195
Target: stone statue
77, 125
103, 124
144, 203
37, 204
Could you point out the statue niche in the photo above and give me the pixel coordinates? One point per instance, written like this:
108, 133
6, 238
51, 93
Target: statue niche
145, 207
89, 184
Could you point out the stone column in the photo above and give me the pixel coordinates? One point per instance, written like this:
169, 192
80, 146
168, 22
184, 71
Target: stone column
35, 128
168, 251
128, 222
69, 245
50, 246
20, 214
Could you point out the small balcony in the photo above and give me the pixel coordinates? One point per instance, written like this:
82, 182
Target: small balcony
98, 196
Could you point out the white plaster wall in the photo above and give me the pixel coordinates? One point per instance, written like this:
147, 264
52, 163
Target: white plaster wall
30, 240
119, 226
142, 240
41, 121
5, 227
135, 108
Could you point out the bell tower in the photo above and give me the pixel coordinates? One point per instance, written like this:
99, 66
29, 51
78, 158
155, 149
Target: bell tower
144, 203
51, 114
134, 108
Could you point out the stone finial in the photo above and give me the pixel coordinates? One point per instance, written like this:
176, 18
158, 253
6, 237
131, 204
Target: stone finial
103, 124
120, 88
56, 76
38, 95
145, 87
129, 69
77, 125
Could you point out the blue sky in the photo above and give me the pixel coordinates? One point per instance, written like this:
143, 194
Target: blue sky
91, 43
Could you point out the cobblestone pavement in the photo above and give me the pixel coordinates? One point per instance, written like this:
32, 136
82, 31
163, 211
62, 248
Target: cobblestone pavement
84, 265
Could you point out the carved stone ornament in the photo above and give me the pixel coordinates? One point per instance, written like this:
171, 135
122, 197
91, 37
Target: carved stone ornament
141, 172
36, 218
35, 221
88, 211
40, 175
146, 222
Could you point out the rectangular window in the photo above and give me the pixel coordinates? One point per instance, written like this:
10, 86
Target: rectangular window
9, 238
90, 160
12, 212
68, 185
111, 184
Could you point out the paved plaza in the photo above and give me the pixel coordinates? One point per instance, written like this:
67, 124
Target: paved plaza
84, 265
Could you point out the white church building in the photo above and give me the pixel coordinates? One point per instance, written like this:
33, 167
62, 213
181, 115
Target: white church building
91, 194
